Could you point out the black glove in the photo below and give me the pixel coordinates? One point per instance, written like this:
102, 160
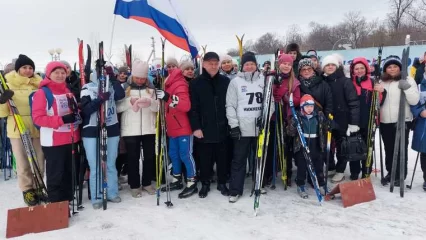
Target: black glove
6, 96
104, 96
163, 95
235, 133
69, 118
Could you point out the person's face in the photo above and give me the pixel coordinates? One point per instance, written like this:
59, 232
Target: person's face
393, 70
307, 72
372, 68
249, 67
26, 71
122, 77
189, 72
330, 69
285, 67
211, 66
171, 68
58, 75
314, 61
266, 66
308, 109
293, 54
227, 66
235, 67
139, 81
359, 70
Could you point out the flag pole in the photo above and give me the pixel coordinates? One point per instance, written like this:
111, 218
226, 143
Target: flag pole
112, 35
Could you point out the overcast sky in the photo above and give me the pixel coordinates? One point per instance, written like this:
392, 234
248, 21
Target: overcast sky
33, 27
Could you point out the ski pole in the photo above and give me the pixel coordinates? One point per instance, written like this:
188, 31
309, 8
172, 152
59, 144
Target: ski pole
414, 172
330, 117
70, 99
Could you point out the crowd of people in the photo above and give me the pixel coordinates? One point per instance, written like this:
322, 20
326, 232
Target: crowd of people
211, 119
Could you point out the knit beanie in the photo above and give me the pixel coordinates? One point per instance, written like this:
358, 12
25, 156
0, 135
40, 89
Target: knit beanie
122, 69
392, 59
23, 60
248, 57
285, 58
171, 61
66, 64
305, 62
140, 69
307, 100
9, 68
225, 58
330, 59
339, 59
52, 66
185, 65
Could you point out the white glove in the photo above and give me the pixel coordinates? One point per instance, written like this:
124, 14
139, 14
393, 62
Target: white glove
352, 129
175, 101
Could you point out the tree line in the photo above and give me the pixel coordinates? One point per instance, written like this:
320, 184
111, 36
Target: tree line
404, 17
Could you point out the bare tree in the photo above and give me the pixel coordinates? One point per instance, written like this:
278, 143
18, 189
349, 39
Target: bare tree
267, 43
418, 13
399, 8
294, 35
320, 37
356, 28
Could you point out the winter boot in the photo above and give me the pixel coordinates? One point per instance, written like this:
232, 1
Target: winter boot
30, 198
115, 200
42, 196
331, 172
263, 191
302, 192
424, 186
323, 191
353, 177
97, 205
205, 189
338, 177
191, 188
136, 192
234, 199
223, 189
388, 178
176, 184
149, 189
288, 182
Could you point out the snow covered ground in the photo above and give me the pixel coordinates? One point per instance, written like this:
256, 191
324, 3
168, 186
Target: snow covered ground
282, 215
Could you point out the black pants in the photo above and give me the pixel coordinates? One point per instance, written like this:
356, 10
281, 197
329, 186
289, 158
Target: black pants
121, 163
59, 172
230, 154
317, 161
357, 166
340, 166
388, 132
133, 146
423, 164
208, 154
242, 148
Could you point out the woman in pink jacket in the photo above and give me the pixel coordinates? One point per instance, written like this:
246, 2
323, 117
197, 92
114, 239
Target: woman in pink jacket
58, 121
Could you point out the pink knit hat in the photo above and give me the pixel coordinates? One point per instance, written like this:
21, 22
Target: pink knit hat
52, 66
140, 69
285, 58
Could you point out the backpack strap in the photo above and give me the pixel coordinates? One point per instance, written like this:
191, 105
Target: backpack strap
49, 96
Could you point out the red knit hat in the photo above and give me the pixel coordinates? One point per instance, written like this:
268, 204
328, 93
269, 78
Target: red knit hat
307, 100
285, 58
52, 66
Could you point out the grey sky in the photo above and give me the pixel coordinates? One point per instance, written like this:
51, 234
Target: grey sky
32, 27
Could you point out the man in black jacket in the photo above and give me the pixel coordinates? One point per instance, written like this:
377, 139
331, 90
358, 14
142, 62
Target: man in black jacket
420, 69
209, 122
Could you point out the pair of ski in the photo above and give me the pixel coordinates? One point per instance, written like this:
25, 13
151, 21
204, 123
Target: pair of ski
27, 142
399, 147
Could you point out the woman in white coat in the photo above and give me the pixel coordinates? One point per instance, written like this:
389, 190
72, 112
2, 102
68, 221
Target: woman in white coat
391, 86
138, 127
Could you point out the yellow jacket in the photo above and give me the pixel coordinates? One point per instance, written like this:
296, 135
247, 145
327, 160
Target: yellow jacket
22, 87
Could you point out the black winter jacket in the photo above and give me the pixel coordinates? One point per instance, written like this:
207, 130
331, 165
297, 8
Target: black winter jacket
74, 85
320, 91
208, 111
346, 108
419, 73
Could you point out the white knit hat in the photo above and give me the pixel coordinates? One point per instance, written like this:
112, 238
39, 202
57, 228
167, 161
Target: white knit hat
140, 69
330, 59
225, 58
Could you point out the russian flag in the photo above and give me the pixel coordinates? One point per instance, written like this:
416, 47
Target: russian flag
161, 15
